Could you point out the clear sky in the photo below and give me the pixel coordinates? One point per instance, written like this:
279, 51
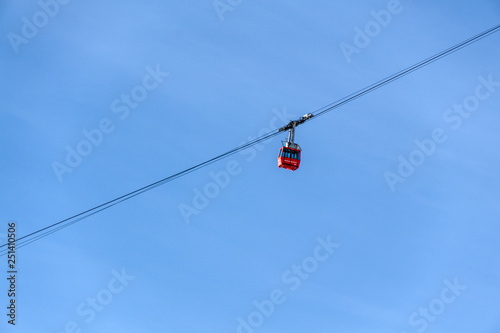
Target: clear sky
391, 223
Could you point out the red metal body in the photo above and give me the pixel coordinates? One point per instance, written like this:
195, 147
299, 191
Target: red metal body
289, 158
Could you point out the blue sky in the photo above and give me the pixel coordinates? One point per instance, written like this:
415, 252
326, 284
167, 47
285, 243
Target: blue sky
332, 247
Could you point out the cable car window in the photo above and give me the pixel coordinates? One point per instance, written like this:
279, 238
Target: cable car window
298, 155
294, 155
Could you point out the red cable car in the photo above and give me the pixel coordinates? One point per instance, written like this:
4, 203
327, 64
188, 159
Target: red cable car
289, 155
289, 158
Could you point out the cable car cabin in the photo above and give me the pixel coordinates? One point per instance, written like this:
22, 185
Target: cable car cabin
289, 158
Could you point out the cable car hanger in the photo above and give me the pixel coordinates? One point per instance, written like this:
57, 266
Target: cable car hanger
289, 154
